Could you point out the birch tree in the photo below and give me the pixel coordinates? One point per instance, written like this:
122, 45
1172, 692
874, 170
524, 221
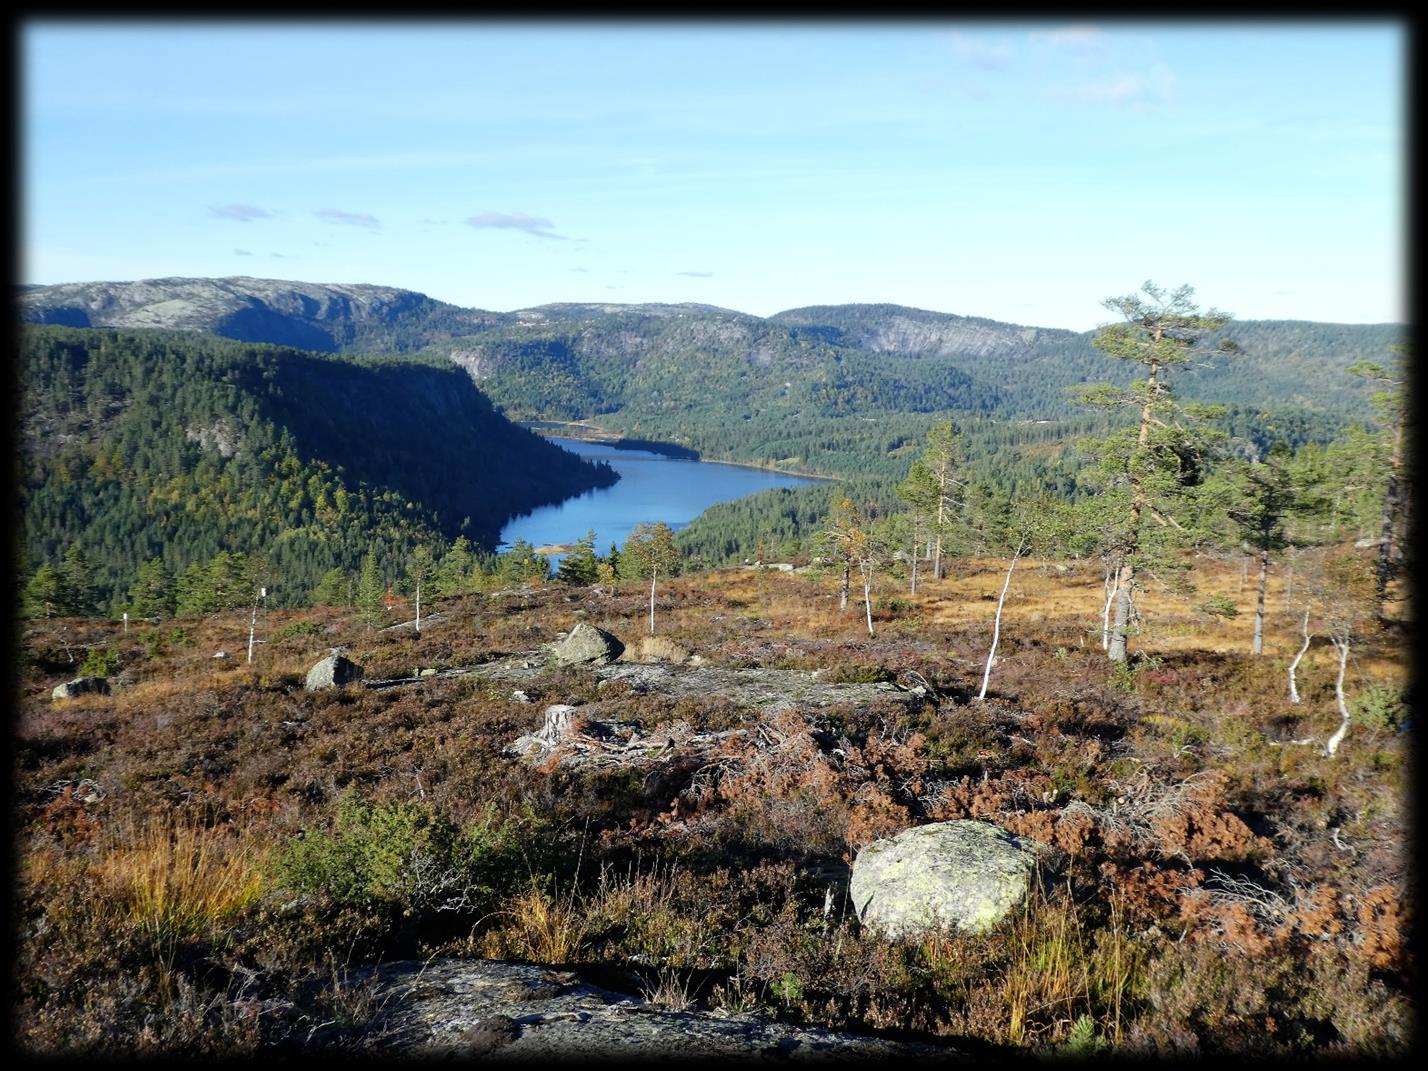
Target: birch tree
1344, 587
420, 566
649, 551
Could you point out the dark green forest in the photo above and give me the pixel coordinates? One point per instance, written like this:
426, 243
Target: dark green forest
150, 444
144, 445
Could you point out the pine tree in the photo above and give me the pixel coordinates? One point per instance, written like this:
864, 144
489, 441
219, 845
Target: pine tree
1259, 498
370, 591
44, 594
334, 589
453, 575
76, 583
1163, 457
521, 564
579, 566
840, 539
1392, 405
152, 592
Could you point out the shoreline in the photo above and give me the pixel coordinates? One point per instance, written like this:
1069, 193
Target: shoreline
597, 434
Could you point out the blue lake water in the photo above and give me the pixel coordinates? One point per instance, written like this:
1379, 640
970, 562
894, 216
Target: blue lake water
652, 487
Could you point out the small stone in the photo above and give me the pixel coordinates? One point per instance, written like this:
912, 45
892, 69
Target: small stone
519, 696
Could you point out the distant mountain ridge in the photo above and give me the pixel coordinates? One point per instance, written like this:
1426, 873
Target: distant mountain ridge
787, 389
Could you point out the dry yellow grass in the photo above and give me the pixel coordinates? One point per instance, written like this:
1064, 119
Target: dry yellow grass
541, 927
178, 877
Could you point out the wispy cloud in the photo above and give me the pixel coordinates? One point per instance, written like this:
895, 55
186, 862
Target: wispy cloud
243, 213
516, 221
349, 219
241, 253
279, 256
1126, 90
582, 271
981, 53
1087, 41
696, 274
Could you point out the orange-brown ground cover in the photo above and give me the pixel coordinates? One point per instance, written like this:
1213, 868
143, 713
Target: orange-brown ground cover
1220, 887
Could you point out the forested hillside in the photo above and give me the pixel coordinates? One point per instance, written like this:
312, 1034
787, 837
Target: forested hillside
846, 390
727, 383
145, 444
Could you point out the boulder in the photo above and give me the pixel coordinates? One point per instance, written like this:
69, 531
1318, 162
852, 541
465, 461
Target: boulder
527, 1014
334, 671
963, 874
81, 686
587, 644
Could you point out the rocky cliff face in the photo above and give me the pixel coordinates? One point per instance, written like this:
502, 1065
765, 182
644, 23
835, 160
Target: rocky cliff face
918, 332
314, 316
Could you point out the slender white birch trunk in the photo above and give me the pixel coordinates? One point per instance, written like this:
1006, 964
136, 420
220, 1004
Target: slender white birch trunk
1293, 688
1332, 746
1112, 585
997, 626
654, 572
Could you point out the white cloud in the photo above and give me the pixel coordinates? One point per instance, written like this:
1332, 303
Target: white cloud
1126, 90
1086, 41
349, 219
243, 213
982, 53
515, 221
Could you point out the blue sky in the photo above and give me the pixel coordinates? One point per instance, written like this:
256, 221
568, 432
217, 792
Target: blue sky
1021, 171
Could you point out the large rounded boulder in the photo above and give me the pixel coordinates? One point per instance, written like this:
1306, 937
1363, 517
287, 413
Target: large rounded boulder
334, 671
965, 875
587, 644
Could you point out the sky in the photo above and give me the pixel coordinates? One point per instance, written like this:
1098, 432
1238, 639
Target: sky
1021, 171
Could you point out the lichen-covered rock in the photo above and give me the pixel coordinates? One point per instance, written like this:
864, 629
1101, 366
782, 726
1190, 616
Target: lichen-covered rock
523, 1013
81, 686
963, 874
586, 643
334, 671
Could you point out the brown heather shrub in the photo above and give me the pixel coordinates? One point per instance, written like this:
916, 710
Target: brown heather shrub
1382, 929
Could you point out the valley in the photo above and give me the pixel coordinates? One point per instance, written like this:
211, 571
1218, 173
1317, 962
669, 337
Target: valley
337, 735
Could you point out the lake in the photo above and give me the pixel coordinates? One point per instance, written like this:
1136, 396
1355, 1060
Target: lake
652, 487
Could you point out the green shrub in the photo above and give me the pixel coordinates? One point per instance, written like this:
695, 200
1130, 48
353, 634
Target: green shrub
100, 662
852, 673
1218, 606
298, 628
1379, 706
406, 857
1122, 676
